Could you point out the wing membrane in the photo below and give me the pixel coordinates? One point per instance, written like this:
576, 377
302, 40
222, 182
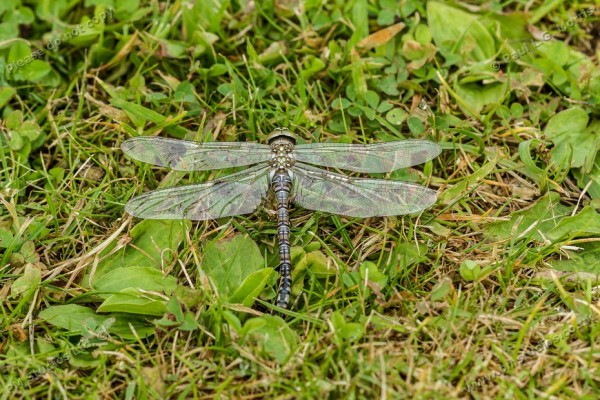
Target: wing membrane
235, 194
378, 157
316, 189
185, 155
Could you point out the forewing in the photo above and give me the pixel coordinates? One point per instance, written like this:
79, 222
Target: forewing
377, 157
185, 155
235, 194
316, 189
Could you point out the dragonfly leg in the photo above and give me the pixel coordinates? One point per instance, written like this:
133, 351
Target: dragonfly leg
282, 184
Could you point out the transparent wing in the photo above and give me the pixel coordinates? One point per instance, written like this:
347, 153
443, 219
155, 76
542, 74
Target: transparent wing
377, 157
235, 194
316, 189
185, 155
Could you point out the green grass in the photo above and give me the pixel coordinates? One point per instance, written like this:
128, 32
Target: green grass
491, 293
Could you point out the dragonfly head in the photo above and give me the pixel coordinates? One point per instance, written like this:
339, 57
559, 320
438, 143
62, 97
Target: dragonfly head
279, 133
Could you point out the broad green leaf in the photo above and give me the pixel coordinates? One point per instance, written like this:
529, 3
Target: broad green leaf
314, 261
350, 331
458, 33
415, 125
251, 51
225, 89
385, 323
140, 115
228, 262
565, 68
534, 222
28, 252
49, 9
88, 30
8, 31
406, 254
476, 96
557, 52
355, 111
36, 70
587, 259
512, 26
441, 289
207, 15
516, 110
173, 308
217, 70
384, 106
188, 296
584, 223
151, 242
311, 66
133, 301
419, 54
8, 5
271, 335
252, 286
30, 129
423, 34
173, 48
319, 265
526, 147
14, 119
144, 278
202, 42
370, 273
372, 99
73, 317
70, 317
233, 320
184, 321
583, 147
25, 65
570, 135
389, 10
340, 103
470, 270
189, 322
388, 84
6, 239
18, 52
396, 116
28, 282
590, 180
16, 141
185, 92
6, 93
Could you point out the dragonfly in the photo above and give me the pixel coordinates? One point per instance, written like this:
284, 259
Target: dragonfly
287, 169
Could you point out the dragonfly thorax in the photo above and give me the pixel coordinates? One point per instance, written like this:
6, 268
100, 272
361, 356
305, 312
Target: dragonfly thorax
281, 158
282, 143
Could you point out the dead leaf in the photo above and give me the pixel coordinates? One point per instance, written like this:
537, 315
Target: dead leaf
380, 37
18, 332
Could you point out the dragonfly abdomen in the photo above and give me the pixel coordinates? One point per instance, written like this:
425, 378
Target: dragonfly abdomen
282, 185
